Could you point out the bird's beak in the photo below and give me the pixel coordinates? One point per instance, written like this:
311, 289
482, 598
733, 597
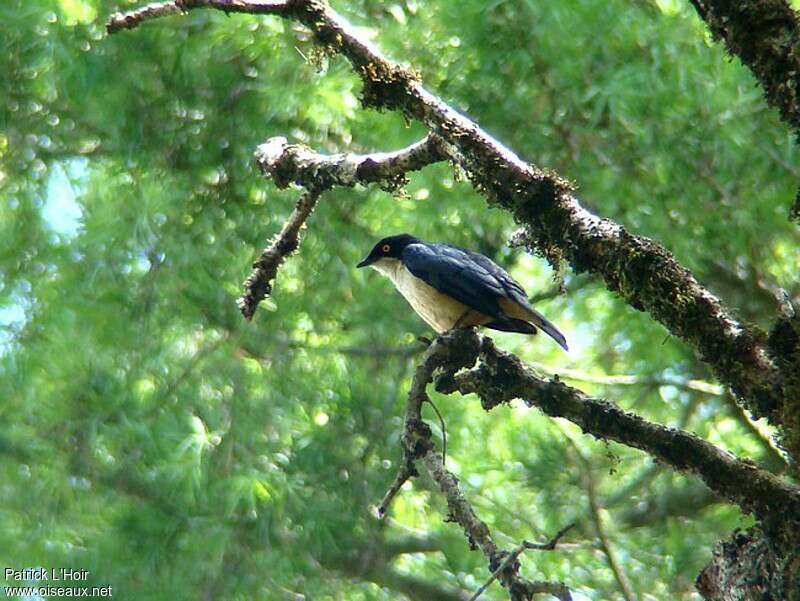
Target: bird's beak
366, 262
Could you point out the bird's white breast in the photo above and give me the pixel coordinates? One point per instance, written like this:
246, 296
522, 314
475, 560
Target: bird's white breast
439, 310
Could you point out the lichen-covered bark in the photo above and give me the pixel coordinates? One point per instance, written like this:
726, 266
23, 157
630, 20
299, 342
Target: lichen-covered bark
258, 284
747, 568
501, 377
294, 163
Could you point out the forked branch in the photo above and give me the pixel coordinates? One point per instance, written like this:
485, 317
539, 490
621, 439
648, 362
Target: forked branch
450, 352
293, 163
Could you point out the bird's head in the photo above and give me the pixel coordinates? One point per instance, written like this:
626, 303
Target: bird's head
390, 247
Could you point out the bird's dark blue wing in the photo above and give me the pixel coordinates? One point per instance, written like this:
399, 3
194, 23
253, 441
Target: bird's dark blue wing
510, 286
479, 283
467, 277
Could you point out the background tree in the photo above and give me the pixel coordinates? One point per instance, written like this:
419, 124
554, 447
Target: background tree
176, 451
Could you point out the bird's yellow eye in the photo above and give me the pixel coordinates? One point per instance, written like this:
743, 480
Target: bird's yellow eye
386, 248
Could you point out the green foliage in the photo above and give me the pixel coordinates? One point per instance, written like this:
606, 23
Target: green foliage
154, 438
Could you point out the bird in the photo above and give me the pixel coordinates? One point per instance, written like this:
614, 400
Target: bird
451, 287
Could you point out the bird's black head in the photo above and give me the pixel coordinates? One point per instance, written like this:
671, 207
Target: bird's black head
390, 247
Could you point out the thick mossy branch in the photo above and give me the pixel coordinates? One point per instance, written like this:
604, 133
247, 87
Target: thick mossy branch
501, 377
747, 567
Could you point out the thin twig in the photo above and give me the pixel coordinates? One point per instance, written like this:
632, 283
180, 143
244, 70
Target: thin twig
155, 10
404, 474
201, 354
773, 455
632, 380
605, 542
258, 284
512, 557
444, 430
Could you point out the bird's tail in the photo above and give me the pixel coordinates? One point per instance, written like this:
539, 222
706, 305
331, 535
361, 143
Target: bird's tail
527, 326
521, 317
548, 328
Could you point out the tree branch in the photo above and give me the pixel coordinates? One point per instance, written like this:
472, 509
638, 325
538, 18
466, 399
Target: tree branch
155, 10
453, 351
501, 377
479, 535
258, 284
514, 556
288, 163
416, 437
774, 459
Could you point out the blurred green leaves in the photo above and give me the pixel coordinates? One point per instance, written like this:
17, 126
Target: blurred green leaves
155, 438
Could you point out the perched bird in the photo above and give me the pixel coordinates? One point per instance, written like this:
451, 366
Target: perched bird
450, 287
